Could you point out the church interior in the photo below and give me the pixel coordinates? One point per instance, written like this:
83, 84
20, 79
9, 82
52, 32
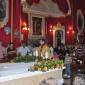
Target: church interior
38, 35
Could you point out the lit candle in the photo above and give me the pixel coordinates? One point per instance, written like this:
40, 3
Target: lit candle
36, 53
46, 55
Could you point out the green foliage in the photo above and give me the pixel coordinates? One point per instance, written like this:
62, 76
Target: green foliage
26, 58
48, 64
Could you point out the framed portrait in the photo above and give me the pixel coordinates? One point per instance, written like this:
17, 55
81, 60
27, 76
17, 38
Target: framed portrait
3, 12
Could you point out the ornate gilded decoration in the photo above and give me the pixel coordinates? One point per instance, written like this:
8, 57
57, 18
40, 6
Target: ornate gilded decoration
80, 21
4, 7
58, 32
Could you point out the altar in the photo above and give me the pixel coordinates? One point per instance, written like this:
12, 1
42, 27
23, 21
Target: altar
18, 74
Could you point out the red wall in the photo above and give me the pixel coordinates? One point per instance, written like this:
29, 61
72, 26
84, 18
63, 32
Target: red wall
24, 19
19, 15
65, 21
16, 21
78, 4
3, 37
68, 21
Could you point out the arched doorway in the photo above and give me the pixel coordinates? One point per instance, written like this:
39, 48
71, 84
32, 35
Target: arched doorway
58, 35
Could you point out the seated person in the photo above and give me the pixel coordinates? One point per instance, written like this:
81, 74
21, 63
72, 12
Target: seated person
23, 50
51, 50
11, 52
2, 51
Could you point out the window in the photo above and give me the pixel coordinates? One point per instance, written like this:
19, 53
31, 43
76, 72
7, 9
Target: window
37, 25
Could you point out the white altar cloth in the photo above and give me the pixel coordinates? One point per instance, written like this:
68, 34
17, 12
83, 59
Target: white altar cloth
18, 74
7, 69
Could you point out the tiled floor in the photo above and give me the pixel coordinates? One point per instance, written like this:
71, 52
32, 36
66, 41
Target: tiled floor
67, 82
71, 80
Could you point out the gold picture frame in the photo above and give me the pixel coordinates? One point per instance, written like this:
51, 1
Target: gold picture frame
80, 21
4, 10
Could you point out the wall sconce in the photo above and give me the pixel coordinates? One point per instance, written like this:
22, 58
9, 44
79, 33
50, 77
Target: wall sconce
24, 27
70, 28
67, 32
72, 31
50, 30
50, 26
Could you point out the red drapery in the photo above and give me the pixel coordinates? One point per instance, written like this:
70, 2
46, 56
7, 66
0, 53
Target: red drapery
24, 19
3, 37
36, 1
16, 21
30, 2
63, 5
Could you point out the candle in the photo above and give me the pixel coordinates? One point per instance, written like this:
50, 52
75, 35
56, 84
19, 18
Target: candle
22, 37
36, 53
46, 55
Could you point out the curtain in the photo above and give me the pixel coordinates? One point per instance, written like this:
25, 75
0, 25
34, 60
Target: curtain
37, 1
16, 21
63, 5
30, 2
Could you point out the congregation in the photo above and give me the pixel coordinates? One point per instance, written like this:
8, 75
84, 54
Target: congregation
44, 50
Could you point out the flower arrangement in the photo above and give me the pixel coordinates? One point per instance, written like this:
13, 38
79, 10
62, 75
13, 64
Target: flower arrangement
45, 65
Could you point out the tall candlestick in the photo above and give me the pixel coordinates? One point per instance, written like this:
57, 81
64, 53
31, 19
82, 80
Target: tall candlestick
36, 53
46, 55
